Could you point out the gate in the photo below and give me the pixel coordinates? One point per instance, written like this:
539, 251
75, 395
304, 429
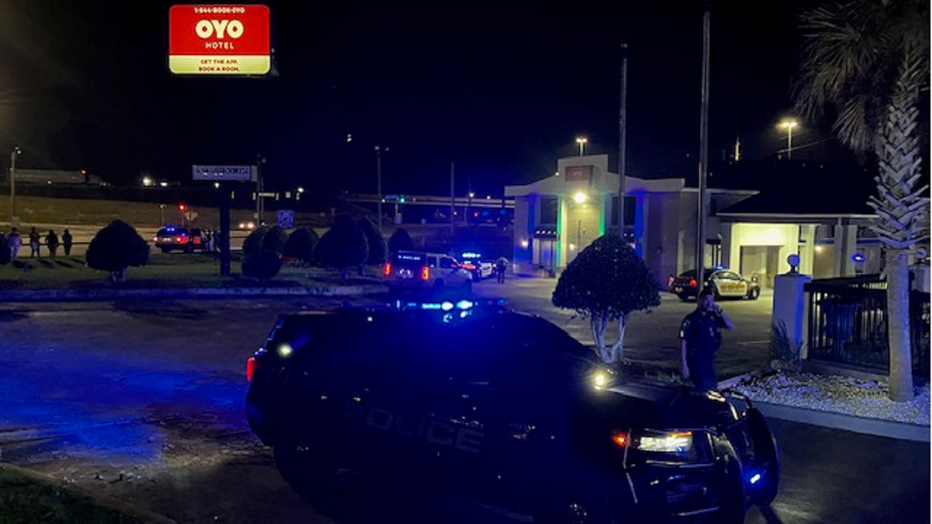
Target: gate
848, 324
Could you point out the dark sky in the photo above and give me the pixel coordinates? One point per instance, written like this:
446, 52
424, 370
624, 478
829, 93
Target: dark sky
500, 91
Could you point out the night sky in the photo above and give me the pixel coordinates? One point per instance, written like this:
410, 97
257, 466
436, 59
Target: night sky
502, 92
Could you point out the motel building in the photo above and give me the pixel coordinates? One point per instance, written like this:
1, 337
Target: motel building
752, 229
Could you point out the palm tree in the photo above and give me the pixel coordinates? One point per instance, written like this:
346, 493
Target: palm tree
866, 63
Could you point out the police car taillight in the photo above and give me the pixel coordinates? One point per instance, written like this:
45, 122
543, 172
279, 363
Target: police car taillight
693, 283
425, 273
251, 366
387, 270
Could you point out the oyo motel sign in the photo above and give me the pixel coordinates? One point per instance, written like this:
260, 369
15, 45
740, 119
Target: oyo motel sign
221, 40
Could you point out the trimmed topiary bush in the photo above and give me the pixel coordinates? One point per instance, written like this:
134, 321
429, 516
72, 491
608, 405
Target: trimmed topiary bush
275, 239
262, 264
400, 241
300, 244
607, 281
375, 240
253, 241
115, 248
343, 246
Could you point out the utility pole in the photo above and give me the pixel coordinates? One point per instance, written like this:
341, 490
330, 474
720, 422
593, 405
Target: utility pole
622, 141
14, 222
378, 175
259, 207
452, 201
703, 149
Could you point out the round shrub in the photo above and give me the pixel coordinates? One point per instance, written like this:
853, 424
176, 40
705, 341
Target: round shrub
300, 244
275, 239
115, 248
253, 241
262, 264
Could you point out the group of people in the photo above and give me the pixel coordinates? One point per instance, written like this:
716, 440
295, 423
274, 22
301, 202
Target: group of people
36, 240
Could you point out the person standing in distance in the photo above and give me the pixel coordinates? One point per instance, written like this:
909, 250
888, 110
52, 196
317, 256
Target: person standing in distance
700, 337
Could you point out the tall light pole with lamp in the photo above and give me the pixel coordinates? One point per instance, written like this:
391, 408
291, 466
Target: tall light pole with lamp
14, 221
378, 174
581, 142
789, 124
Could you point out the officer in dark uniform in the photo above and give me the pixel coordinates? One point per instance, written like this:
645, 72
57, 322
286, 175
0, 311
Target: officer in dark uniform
700, 338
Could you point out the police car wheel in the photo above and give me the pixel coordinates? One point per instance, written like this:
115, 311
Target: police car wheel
577, 505
732, 503
306, 472
753, 293
766, 460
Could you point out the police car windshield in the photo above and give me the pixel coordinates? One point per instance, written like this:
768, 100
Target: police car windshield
409, 259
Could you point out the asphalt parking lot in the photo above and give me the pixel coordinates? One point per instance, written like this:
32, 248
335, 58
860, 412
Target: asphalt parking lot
651, 337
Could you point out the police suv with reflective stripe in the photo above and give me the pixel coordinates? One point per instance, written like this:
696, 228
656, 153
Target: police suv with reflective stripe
504, 409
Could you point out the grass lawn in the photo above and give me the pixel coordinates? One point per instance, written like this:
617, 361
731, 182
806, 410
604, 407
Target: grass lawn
163, 270
26, 500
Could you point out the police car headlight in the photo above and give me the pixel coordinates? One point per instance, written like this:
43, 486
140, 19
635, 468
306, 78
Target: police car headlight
669, 446
602, 378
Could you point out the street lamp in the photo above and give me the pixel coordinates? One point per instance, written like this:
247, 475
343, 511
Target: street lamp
16, 152
378, 174
581, 141
789, 125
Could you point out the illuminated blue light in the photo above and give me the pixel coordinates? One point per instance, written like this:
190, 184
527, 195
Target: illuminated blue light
470, 254
464, 314
464, 304
432, 306
446, 306
755, 478
858, 257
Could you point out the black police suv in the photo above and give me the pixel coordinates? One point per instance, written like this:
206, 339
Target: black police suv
504, 409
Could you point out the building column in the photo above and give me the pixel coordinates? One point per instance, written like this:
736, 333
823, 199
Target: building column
846, 240
725, 230
807, 253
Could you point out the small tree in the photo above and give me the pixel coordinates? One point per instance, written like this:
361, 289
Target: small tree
375, 240
262, 265
115, 248
343, 246
275, 239
400, 241
607, 281
253, 241
300, 244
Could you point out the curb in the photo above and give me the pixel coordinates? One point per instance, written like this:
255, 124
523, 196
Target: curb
102, 500
869, 426
829, 419
53, 295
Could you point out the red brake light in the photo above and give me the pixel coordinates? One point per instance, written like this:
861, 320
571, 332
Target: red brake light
425, 273
620, 439
692, 282
387, 270
251, 366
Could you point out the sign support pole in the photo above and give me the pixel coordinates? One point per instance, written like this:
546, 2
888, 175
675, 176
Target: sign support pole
224, 229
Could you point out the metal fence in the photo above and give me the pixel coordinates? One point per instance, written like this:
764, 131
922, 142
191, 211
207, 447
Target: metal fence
848, 324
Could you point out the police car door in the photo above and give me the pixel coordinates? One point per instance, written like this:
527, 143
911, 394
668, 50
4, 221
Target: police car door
452, 274
732, 285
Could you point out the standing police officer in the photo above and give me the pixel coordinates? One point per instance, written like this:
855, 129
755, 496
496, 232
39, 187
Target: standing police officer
700, 338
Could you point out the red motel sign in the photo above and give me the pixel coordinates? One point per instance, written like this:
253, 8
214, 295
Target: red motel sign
230, 40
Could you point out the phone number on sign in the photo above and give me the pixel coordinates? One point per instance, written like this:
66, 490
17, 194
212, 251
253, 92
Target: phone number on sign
219, 10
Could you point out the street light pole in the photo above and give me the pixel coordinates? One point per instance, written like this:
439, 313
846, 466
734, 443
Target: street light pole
622, 140
789, 125
581, 141
16, 152
703, 148
378, 174
259, 208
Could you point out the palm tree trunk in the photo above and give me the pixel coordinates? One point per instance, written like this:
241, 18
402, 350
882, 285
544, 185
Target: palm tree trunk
901, 357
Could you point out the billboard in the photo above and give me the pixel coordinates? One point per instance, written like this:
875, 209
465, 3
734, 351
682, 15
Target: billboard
225, 40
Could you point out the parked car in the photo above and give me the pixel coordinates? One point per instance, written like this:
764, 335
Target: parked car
170, 238
725, 283
501, 408
423, 270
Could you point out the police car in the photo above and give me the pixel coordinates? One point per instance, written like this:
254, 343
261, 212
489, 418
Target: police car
724, 282
503, 409
424, 270
476, 264
171, 238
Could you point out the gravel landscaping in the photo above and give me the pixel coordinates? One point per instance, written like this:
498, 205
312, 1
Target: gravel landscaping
838, 394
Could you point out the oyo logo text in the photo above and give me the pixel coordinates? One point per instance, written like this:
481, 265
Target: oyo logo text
210, 28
